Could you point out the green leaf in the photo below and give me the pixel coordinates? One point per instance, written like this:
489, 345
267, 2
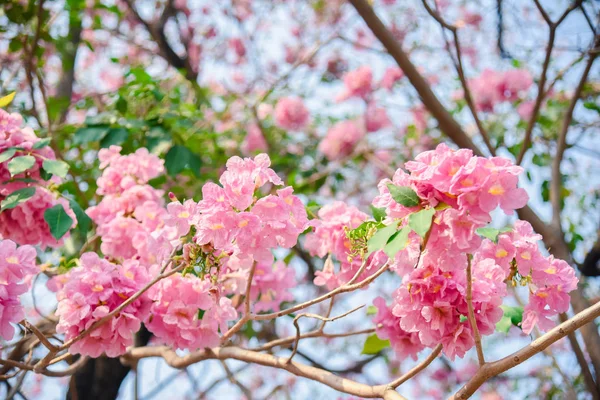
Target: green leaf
403, 195
512, 316
371, 310
381, 237
58, 105
58, 220
90, 134
41, 143
84, 223
421, 221
7, 154
17, 197
397, 242
179, 158
121, 105
115, 136
463, 318
374, 345
590, 105
56, 167
378, 213
20, 164
492, 233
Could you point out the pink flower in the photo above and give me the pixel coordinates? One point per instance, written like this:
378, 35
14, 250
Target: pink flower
290, 113
390, 77
514, 84
472, 18
357, 83
271, 286
376, 118
405, 344
341, 140
255, 141
525, 110
186, 313
92, 292
15, 265
180, 215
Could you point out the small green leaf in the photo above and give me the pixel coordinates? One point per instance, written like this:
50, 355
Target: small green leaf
201, 313
397, 242
20, 164
378, 213
121, 105
17, 197
463, 318
58, 220
492, 233
512, 316
90, 134
421, 221
371, 310
41, 143
84, 223
179, 158
56, 167
115, 136
403, 195
374, 345
590, 105
7, 154
381, 237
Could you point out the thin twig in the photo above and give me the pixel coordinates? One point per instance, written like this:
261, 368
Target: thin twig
471, 317
317, 316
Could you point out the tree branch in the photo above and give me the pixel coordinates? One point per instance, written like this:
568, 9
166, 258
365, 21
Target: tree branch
492, 369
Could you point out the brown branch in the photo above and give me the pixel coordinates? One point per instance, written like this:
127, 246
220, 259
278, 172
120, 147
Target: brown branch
314, 334
542, 92
223, 353
588, 378
417, 368
317, 316
492, 369
157, 32
231, 376
471, 317
561, 144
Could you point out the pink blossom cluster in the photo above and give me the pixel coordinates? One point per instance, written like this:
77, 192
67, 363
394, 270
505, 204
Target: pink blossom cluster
187, 312
232, 229
130, 217
549, 279
342, 138
15, 265
93, 291
329, 237
357, 83
462, 190
291, 113
494, 87
405, 344
231, 218
25, 223
271, 286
